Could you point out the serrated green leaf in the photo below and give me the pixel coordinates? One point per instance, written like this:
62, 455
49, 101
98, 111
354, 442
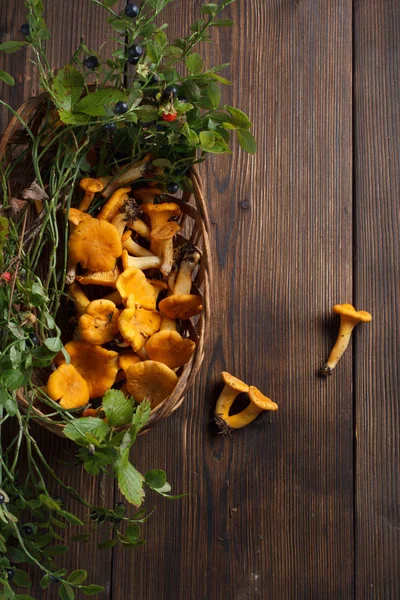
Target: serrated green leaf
117, 407
87, 429
6, 78
141, 416
130, 482
91, 590
194, 63
214, 94
77, 577
21, 578
100, 103
9, 47
66, 592
247, 141
67, 87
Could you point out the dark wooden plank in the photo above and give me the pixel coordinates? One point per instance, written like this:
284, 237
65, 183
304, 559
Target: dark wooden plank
270, 513
377, 162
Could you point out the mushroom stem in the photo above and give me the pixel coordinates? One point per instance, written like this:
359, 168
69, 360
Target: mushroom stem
128, 175
141, 262
167, 323
140, 227
90, 187
133, 247
79, 298
183, 283
349, 318
114, 297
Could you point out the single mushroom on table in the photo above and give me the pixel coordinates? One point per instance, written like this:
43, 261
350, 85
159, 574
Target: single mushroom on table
182, 304
99, 324
150, 380
232, 388
349, 318
98, 366
91, 187
67, 387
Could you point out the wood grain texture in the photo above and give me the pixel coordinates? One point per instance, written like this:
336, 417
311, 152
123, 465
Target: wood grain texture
270, 513
377, 163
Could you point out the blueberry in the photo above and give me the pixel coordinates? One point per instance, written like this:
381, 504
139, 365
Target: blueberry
121, 108
25, 29
131, 10
91, 62
133, 60
172, 187
34, 339
170, 91
110, 126
135, 50
94, 515
2, 499
10, 574
54, 579
27, 529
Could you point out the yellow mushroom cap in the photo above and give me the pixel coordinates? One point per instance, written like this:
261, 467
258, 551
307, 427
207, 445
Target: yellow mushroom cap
99, 324
98, 366
349, 311
261, 401
112, 207
133, 281
165, 231
105, 278
66, 386
91, 185
152, 380
127, 359
137, 324
95, 245
170, 348
234, 382
181, 306
76, 216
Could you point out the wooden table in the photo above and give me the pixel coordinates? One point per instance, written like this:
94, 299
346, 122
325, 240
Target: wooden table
304, 503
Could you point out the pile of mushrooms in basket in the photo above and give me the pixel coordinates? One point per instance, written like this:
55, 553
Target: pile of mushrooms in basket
130, 281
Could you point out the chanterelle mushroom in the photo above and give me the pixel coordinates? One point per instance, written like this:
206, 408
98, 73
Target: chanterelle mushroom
233, 387
98, 366
133, 281
182, 304
349, 317
112, 207
90, 186
137, 324
99, 324
152, 380
66, 386
95, 245
170, 348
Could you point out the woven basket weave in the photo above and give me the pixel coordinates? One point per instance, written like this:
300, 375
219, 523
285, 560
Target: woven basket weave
194, 228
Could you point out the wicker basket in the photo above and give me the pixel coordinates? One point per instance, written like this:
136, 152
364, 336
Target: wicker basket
194, 228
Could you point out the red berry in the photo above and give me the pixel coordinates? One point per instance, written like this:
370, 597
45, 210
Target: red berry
169, 116
6, 276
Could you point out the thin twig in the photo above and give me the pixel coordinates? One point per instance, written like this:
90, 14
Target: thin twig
18, 262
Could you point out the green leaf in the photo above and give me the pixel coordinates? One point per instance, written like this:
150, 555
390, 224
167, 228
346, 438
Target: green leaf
222, 23
100, 103
220, 79
70, 118
54, 344
67, 87
190, 135
15, 555
80, 537
21, 578
141, 416
55, 550
91, 590
130, 482
66, 592
15, 357
49, 502
77, 577
152, 53
121, 25
70, 518
6, 78
191, 90
24, 597
107, 544
12, 379
239, 118
45, 582
133, 532
214, 93
109, 3
49, 320
87, 429
155, 478
209, 9
162, 162
207, 139
247, 141
194, 63
11, 46
118, 408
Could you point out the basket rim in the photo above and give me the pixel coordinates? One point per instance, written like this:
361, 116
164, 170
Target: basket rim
190, 369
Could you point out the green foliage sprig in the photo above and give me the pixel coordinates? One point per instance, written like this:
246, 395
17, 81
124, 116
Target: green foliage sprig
171, 111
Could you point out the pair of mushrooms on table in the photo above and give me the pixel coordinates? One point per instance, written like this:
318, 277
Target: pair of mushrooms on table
147, 348
349, 318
